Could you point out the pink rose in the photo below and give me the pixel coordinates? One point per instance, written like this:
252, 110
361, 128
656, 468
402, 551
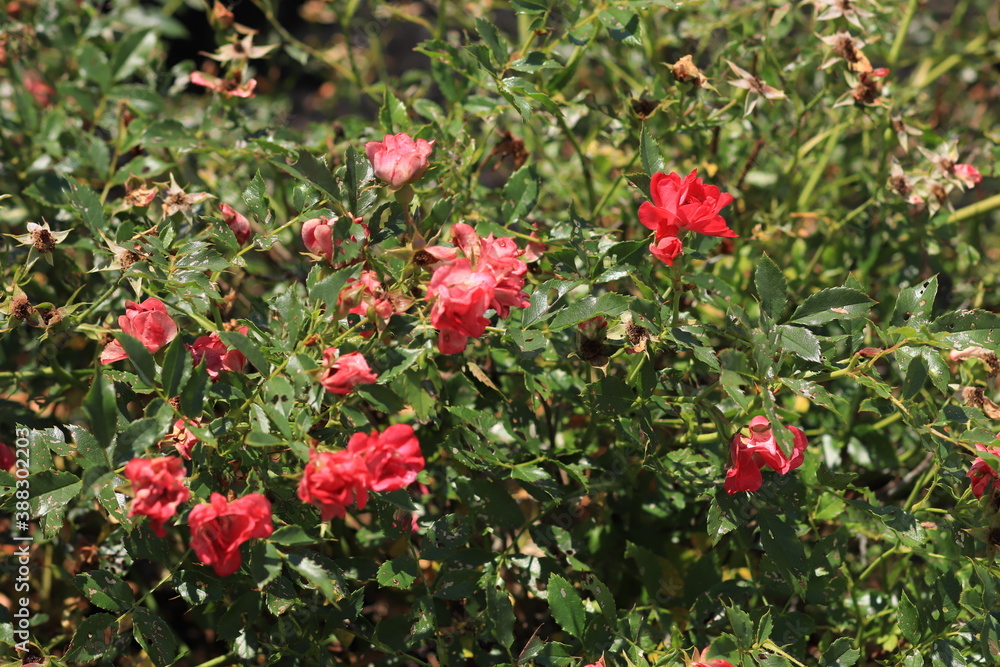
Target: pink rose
499, 258
687, 204
750, 453
317, 236
398, 159
237, 222
982, 473
334, 480
393, 457
148, 322
219, 528
218, 357
968, 175
344, 373
460, 298
159, 488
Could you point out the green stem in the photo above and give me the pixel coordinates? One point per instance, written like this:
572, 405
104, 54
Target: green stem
897, 45
805, 197
588, 181
215, 662
972, 210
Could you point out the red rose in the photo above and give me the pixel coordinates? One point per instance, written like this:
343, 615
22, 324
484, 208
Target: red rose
750, 453
398, 159
460, 297
219, 528
982, 473
159, 488
7, 458
677, 205
344, 373
393, 457
217, 356
334, 480
147, 321
237, 222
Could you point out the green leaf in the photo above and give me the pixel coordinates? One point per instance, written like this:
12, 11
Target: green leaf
609, 305
52, 490
87, 446
176, 367
799, 341
193, 396
309, 169
400, 572
832, 304
93, 638
652, 157
771, 287
255, 197
140, 357
326, 288
105, 589
359, 173
488, 31
499, 609
292, 536
915, 304
321, 572
916, 377
529, 6
86, 201
155, 636
841, 654
908, 617
520, 193
742, 626
133, 52
248, 347
566, 605
392, 116
99, 404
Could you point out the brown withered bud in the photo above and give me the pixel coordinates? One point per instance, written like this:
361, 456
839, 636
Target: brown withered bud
42, 239
231, 325
312, 341
685, 71
635, 333
20, 308
644, 108
129, 257
175, 402
900, 185
423, 258
221, 17
593, 351
973, 396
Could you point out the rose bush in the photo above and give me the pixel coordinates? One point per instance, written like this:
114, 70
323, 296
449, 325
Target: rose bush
339, 337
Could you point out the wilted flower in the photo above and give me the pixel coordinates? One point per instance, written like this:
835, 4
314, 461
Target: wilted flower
399, 159
755, 85
41, 239
685, 71
848, 9
904, 132
232, 86
239, 50
175, 200
847, 48
181, 437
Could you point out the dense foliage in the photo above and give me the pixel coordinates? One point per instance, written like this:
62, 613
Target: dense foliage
547, 332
